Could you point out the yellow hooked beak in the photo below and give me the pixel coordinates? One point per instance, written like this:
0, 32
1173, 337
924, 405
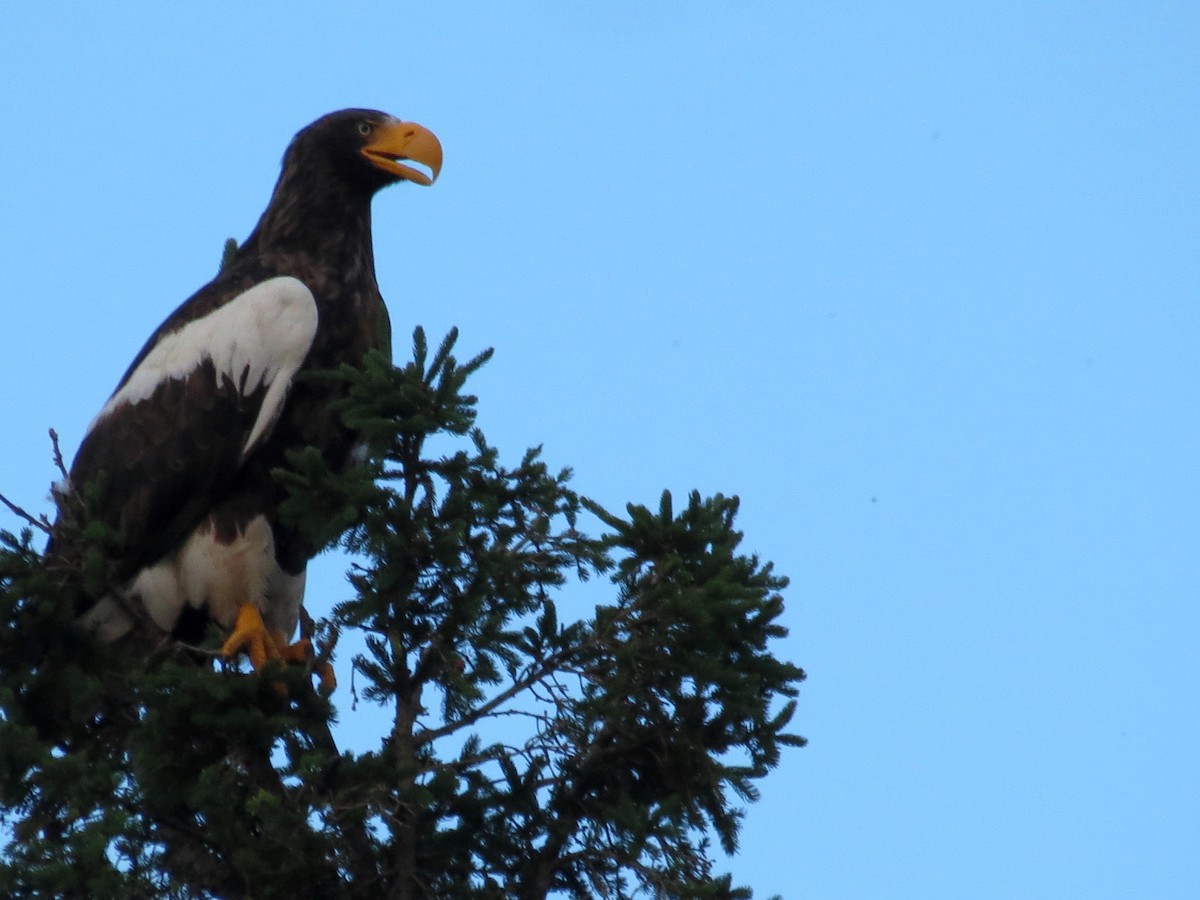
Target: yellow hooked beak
394, 141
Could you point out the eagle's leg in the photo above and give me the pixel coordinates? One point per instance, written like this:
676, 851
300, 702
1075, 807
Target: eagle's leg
251, 636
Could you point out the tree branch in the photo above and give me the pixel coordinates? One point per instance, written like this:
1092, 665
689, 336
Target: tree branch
42, 524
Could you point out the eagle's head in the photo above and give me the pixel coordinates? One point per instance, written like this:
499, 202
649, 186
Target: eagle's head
364, 150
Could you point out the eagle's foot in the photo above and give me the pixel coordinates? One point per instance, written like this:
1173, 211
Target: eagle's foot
302, 652
250, 636
328, 681
321, 665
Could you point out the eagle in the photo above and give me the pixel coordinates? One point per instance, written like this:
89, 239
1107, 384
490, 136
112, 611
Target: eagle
179, 459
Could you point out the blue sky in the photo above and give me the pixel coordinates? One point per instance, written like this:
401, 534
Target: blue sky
917, 281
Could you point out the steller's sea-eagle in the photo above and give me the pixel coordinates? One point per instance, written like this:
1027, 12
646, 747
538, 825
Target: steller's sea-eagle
182, 452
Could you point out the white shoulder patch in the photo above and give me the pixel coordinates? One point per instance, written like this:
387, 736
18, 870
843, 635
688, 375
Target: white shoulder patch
260, 337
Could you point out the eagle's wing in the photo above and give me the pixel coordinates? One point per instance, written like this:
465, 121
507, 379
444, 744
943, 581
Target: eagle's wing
201, 398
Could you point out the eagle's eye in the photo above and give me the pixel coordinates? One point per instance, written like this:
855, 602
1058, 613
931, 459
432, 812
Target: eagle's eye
364, 128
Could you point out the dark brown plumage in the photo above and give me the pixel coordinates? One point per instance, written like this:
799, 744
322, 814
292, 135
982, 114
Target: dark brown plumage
213, 402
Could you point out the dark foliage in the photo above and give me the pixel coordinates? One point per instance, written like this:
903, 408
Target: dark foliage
526, 754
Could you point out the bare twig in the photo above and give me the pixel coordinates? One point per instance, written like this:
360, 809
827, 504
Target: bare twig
40, 523
58, 457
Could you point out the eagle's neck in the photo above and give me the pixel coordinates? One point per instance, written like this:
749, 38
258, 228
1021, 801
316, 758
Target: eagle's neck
323, 228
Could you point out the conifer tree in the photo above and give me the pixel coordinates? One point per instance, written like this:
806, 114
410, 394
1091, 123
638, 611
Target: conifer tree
527, 753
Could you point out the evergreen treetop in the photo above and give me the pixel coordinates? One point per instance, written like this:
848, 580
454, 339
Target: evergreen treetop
527, 754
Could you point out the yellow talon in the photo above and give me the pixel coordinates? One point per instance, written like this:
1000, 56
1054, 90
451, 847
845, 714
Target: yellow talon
250, 635
328, 681
299, 652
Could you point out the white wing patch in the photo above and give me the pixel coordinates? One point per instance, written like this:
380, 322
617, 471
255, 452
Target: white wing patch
260, 337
